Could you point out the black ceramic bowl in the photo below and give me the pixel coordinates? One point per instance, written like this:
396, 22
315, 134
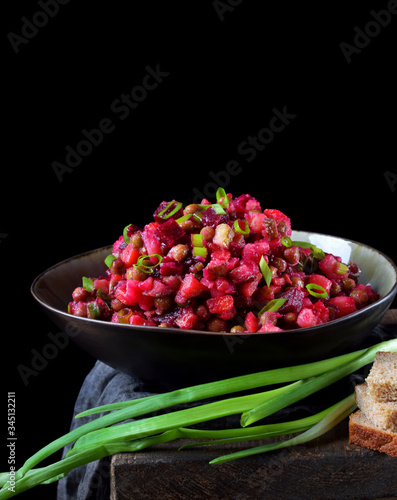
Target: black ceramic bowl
170, 357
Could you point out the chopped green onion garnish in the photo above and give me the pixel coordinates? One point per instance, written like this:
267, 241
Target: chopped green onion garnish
286, 241
238, 229
94, 311
218, 208
221, 193
124, 315
87, 284
183, 218
109, 259
316, 252
265, 270
197, 240
342, 268
199, 252
125, 236
162, 215
317, 290
142, 263
272, 306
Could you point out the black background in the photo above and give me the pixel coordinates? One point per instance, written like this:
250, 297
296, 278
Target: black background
226, 73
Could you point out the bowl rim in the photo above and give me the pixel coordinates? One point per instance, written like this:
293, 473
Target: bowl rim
179, 331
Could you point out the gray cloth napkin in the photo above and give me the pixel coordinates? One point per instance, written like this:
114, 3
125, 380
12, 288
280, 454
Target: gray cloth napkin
105, 385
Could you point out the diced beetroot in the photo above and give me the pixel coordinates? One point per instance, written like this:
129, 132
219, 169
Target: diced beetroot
117, 244
169, 232
157, 289
102, 284
220, 304
294, 302
246, 271
306, 318
227, 314
215, 269
330, 266
190, 287
170, 267
263, 294
128, 292
343, 305
129, 255
219, 253
212, 219
256, 222
151, 241
186, 318
225, 286
161, 207
251, 322
321, 311
248, 289
206, 292
146, 302
146, 284
321, 280
254, 251
232, 263
244, 203
269, 327
78, 308
136, 319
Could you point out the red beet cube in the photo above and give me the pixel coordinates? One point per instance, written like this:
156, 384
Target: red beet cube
321, 280
169, 232
343, 305
186, 318
129, 255
252, 323
190, 287
294, 300
246, 271
220, 304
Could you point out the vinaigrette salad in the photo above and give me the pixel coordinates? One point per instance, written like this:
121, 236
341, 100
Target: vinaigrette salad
227, 266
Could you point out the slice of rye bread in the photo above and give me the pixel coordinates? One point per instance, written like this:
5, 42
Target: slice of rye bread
382, 415
382, 379
363, 433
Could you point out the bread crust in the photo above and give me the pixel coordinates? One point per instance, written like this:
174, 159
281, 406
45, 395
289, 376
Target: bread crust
363, 433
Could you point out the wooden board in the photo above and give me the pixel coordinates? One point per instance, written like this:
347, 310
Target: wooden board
325, 468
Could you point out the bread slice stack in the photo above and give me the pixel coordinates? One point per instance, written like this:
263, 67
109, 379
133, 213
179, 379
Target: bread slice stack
374, 425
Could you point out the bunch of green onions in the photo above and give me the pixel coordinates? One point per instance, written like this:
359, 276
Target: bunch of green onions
100, 437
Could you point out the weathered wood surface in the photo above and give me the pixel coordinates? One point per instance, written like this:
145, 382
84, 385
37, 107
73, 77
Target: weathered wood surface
326, 468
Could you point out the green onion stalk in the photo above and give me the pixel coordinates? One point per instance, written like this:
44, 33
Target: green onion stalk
101, 437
